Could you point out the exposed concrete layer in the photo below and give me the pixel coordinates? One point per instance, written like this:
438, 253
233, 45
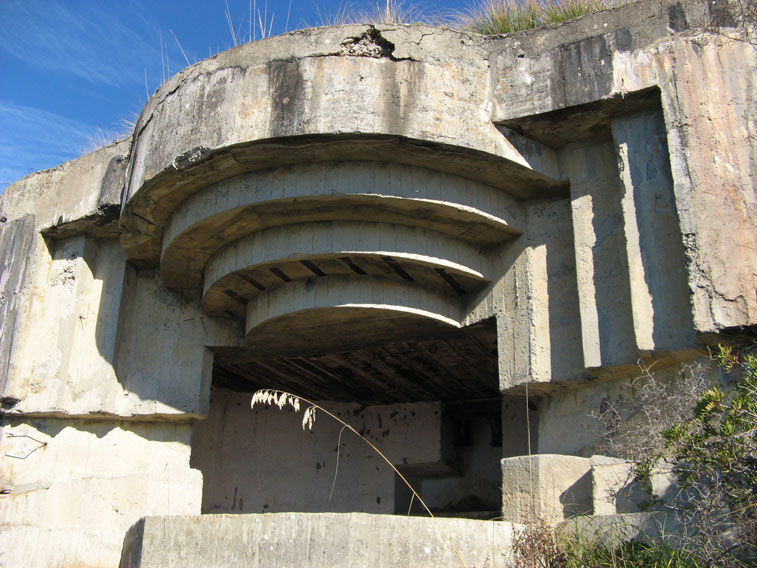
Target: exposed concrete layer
704, 95
81, 196
70, 489
314, 314
659, 297
257, 263
305, 84
545, 487
536, 301
89, 311
234, 208
591, 186
541, 70
236, 445
316, 540
18, 236
601, 268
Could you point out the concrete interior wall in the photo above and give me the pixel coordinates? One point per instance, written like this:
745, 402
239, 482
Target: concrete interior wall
261, 460
475, 488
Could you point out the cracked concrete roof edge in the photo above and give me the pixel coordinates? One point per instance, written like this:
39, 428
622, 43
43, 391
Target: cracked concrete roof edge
539, 39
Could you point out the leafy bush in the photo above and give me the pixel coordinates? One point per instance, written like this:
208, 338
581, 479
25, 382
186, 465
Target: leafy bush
706, 435
714, 456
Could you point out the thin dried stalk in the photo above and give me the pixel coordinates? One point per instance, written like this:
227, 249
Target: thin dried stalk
281, 399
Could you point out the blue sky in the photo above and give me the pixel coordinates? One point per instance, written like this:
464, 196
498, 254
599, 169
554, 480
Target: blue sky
73, 71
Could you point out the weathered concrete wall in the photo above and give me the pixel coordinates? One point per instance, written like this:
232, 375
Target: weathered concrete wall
321, 470
301, 539
236, 445
577, 410
707, 91
86, 191
71, 488
545, 487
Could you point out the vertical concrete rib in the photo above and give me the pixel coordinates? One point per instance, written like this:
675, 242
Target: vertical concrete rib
601, 265
660, 297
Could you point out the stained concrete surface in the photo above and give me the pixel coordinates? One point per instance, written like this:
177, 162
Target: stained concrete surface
354, 539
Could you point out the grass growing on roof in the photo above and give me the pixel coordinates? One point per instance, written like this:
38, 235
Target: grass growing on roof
497, 17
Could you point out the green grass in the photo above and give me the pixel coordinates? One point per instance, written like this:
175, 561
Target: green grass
497, 17
630, 555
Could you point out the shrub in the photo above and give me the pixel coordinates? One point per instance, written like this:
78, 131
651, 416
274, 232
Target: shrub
714, 456
707, 436
538, 546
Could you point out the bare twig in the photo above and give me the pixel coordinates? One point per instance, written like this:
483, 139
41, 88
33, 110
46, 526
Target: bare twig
283, 398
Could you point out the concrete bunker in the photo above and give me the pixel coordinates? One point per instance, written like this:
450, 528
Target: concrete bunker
417, 239
431, 404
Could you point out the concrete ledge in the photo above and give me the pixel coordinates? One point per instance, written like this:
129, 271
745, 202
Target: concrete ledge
313, 313
315, 540
249, 265
301, 97
545, 486
243, 205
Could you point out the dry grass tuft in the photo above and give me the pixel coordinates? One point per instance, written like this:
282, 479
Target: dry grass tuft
282, 399
497, 17
383, 12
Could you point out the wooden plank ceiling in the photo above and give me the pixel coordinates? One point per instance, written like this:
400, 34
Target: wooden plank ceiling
458, 365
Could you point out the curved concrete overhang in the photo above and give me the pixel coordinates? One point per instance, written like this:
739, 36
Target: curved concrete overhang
354, 191
319, 315
407, 94
267, 259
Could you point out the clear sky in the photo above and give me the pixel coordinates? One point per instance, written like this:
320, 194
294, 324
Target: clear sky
72, 71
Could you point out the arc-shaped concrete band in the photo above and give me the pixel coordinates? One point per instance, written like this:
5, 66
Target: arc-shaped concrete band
279, 101
390, 193
366, 243
347, 292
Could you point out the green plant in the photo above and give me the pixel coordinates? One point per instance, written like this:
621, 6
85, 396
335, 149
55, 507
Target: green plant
714, 456
628, 555
494, 17
705, 434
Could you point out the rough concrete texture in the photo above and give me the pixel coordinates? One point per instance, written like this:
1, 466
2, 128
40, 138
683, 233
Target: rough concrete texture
577, 410
705, 93
545, 486
70, 488
314, 541
615, 490
589, 187
235, 445
302, 85
96, 358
